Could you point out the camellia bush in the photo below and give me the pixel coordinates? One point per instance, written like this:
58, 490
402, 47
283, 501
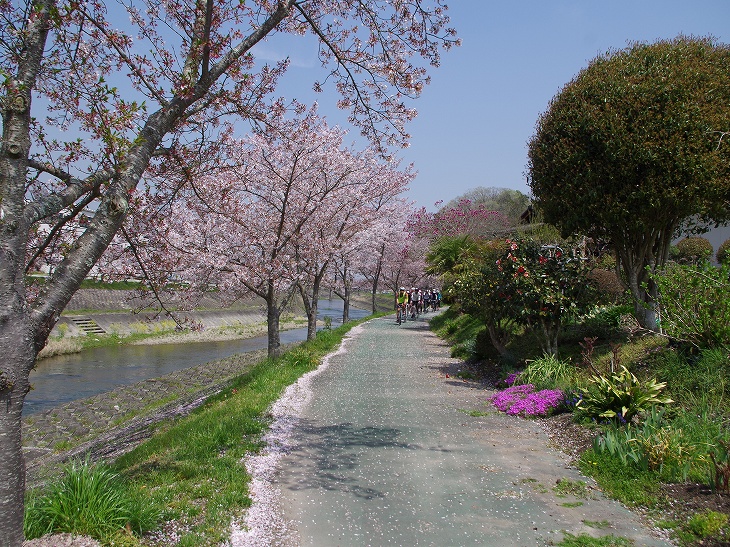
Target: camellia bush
542, 286
694, 301
477, 285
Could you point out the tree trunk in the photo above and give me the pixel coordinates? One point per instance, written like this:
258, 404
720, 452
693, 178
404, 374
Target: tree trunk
376, 278
346, 306
639, 261
273, 313
312, 308
646, 314
645, 300
19, 353
498, 342
550, 332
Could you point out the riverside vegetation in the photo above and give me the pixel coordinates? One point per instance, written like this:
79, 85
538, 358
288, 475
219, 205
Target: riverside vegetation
164, 492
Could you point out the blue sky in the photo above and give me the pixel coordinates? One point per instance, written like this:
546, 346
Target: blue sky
480, 110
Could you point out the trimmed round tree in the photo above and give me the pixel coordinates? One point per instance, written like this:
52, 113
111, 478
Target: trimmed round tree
723, 252
693, 249
632, 147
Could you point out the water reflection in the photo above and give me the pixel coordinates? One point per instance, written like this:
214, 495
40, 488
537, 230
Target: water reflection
64, 378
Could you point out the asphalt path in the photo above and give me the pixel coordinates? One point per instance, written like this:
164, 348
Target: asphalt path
387, 445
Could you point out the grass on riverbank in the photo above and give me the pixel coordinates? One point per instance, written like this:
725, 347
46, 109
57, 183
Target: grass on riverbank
159, 332
191, 470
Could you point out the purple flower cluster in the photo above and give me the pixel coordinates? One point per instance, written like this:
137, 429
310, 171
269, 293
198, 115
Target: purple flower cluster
525, 401
511, 378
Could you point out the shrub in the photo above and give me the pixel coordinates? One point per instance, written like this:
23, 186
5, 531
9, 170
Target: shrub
702, 379
603, 322
542, 287
620, 396
609, 286
691, 250
723, 252
483, 347
653, 445
694, 302
706, 524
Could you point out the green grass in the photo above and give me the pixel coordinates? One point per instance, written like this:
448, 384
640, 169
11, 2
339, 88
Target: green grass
584, 540
566, 487
89, 500
548, 372
475, 413
111, 285
571, 504
460, 330
623, 482
597, 524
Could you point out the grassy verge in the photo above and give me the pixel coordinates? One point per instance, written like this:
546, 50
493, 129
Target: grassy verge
460, 330
191, 470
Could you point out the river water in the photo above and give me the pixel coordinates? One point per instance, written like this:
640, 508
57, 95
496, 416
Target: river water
63, 378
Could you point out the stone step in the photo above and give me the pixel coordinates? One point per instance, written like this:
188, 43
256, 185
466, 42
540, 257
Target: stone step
88, 325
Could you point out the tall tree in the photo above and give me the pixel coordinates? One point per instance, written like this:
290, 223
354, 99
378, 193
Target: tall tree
185, 65
634, 145
271, 222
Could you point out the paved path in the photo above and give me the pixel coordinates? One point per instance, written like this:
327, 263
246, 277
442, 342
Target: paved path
387, 451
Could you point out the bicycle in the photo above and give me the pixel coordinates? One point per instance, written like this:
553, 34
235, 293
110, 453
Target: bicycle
413, 310
401, 314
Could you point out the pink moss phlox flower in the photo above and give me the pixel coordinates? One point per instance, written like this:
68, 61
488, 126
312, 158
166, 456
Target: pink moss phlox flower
525, 401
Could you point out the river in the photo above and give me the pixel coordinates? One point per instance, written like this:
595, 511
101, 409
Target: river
63, 378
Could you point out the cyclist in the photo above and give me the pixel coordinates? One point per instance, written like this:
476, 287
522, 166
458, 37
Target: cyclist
401, 303
416, 299
411, 308
426, 300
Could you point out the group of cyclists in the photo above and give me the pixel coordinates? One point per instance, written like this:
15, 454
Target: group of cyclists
415, 302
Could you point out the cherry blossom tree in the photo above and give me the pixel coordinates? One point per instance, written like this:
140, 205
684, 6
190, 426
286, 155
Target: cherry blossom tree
402, 262
381, 251
347, 228
271, 222
97, 94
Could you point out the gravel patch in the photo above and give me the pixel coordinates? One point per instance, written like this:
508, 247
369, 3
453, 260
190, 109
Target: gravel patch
62, 540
